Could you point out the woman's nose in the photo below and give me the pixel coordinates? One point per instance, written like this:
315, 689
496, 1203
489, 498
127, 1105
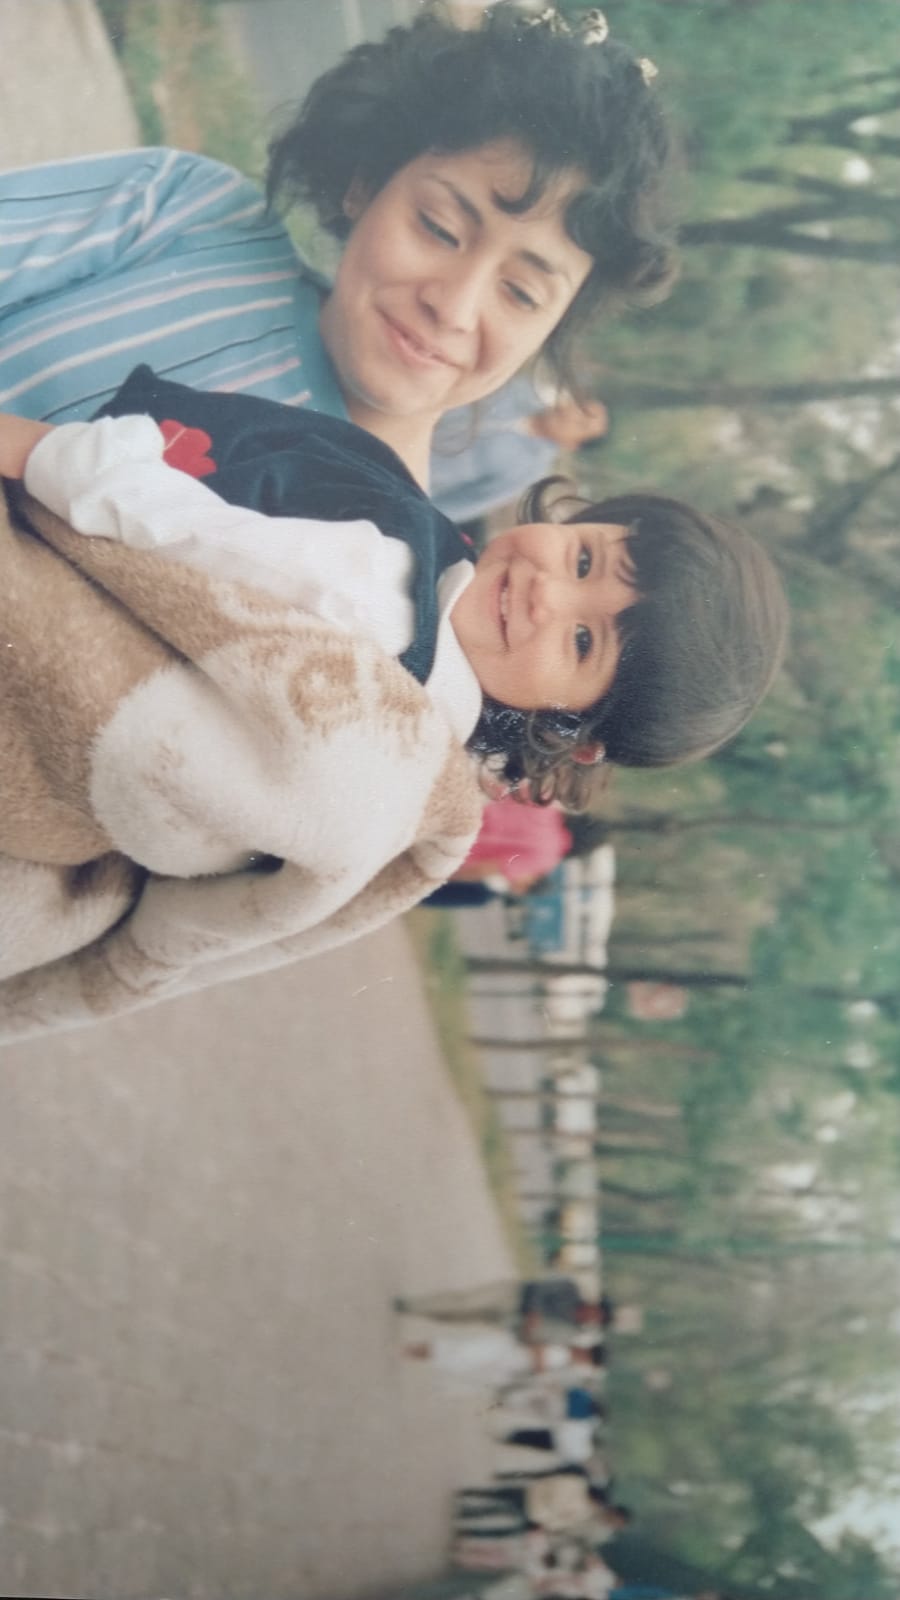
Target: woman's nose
455, 296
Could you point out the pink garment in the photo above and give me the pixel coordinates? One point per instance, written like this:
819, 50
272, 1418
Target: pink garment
522, 841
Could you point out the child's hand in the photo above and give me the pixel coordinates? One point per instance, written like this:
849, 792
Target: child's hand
18, 437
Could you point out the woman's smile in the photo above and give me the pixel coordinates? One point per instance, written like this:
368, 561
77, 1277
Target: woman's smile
415, 351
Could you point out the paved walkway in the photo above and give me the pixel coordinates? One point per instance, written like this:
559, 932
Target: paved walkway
204, 1214
206, 1209
61, 93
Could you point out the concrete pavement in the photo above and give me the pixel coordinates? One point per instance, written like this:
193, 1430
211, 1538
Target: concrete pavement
205, 1212
61, 92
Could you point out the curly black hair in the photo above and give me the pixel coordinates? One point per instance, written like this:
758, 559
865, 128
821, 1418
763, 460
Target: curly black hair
432, 86
700, 648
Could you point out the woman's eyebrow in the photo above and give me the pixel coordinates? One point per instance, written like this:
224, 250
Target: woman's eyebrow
549, 268
470, 209
462, 200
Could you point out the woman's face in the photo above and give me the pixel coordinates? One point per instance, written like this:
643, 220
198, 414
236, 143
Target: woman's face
441, 295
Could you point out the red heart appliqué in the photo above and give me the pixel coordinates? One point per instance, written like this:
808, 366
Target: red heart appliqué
187, 449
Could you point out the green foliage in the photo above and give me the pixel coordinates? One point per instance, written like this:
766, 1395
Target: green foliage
763, 1242
736, 79
734, 76
840, 927
434, 938
777, 1223
135, 38
184, 84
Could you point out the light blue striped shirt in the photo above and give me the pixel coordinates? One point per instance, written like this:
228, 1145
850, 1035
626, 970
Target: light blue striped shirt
157, 256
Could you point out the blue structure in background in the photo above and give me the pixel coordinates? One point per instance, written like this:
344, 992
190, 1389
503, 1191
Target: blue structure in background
544, 915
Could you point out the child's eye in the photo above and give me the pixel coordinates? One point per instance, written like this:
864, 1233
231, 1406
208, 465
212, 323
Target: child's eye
585, 561
438, 232
584, 643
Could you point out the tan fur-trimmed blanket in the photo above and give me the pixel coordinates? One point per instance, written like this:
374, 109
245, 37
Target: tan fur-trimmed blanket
197, 782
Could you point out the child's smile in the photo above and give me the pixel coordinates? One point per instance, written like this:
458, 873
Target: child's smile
537, 622
503, 606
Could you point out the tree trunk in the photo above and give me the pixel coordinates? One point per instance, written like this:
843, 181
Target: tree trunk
614, 1141
834, 199
830, 525
535, 1096
553, 1197
886, 1000
641, 1197
832, 127
582, 969
633, 1105
633, 1045
544, 1045
669, 823
633, 393
786, 240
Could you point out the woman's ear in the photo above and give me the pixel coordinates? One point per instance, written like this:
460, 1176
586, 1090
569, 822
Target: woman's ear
355, 200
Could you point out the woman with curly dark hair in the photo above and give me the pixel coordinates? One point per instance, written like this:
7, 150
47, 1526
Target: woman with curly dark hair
493, 188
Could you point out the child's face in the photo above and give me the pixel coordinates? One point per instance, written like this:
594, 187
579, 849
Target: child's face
538, 621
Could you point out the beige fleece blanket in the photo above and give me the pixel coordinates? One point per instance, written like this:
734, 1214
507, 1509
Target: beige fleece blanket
197, 782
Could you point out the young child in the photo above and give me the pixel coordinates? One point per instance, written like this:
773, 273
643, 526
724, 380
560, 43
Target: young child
245, 740
638, 631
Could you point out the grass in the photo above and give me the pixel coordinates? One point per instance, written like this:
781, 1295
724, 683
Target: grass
443, 966
186, 89
189, 93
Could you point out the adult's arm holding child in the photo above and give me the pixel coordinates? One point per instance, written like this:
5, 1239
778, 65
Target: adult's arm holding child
110, 479
18, 437
283, 786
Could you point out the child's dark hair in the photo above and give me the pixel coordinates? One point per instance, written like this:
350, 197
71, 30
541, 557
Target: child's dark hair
699, 650
432, 86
